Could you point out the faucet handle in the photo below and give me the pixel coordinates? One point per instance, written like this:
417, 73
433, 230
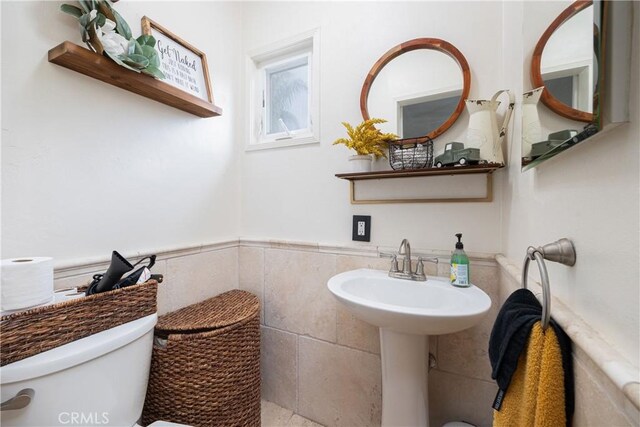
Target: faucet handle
427, 258
394, 265
387, 255
420, 267
394, 261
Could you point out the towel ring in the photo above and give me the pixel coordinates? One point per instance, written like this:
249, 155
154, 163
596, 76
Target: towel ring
561, 251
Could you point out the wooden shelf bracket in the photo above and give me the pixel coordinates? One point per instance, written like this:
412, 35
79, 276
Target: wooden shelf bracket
486, 170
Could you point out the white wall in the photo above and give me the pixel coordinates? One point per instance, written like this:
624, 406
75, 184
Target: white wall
589, 194
291, 193
88, 167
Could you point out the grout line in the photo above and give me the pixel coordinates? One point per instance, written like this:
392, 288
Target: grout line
465, 376
297, 374
320, 340
332, 343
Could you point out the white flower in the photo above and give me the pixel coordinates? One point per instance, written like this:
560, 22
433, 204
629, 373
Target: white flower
108, 26
113, 43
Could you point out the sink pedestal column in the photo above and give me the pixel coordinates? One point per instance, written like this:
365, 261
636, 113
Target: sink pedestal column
404, 379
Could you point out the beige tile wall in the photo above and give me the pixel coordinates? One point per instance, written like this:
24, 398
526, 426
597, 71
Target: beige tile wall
598, 401
187, 279
317, 361
460, 387
323, 363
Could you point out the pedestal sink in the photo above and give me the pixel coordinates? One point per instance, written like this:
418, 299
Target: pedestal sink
406, 312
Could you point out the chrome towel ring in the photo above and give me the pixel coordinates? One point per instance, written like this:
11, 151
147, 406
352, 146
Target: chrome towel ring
561, 251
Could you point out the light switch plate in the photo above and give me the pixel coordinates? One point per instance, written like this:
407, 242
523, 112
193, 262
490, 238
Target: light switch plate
361, 228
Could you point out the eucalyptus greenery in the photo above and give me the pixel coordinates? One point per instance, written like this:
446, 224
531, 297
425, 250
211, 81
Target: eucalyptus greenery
106, 32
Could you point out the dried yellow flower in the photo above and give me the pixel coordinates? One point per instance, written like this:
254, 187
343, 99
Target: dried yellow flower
366, 138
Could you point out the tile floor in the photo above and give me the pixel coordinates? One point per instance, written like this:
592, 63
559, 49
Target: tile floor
275, 416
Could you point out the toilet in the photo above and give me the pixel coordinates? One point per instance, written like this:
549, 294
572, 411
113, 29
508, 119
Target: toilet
100, 380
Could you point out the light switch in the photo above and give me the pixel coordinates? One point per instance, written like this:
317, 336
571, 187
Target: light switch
361, 228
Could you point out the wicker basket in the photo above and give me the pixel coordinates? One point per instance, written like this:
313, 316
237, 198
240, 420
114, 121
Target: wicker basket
205, 369
414, 153
30, 332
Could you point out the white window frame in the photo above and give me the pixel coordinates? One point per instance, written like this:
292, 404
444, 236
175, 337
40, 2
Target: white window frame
264, 76
583, 84
416, 98
306, 44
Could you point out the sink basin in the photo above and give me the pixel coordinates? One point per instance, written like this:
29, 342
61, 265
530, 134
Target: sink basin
433, 307
407, 311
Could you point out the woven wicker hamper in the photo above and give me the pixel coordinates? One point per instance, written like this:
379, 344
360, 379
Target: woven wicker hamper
205, 368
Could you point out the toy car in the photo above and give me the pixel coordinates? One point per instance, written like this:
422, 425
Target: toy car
555, 139
454, 152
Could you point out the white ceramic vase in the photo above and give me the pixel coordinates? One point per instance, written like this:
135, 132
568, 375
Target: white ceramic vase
360, 163
483, 132
531, 127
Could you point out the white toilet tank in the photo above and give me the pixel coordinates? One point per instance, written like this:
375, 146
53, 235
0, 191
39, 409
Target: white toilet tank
100, 380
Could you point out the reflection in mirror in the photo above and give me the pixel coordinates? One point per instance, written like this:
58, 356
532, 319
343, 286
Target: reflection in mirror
419, 87
564, 73
416, 92
567, 65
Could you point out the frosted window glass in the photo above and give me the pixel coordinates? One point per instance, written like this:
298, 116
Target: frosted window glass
562, 89
424, 117
288, 97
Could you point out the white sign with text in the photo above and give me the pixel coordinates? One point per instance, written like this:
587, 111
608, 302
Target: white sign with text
182, 68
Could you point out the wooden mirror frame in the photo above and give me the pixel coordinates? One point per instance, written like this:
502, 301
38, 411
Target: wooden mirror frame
420, 43
547, 98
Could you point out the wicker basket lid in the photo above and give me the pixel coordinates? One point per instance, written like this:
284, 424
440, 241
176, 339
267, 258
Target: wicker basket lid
223, 310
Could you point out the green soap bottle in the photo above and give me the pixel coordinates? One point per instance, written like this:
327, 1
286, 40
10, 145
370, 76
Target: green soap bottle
460, 265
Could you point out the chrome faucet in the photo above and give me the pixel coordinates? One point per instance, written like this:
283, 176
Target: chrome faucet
405, 249
407, 271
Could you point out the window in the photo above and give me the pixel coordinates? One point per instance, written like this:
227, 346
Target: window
571, 84
282, 81
562, 89
421, 115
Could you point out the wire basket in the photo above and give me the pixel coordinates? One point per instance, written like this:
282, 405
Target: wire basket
417, 155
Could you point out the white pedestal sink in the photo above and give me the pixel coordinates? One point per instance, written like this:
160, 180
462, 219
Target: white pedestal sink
406, 312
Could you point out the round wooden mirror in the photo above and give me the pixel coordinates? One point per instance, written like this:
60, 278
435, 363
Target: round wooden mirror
563, 62
419, 87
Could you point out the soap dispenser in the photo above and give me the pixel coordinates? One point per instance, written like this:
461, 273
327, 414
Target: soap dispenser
460, 265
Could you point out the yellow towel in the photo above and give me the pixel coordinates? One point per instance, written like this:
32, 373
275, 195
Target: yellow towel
535, 397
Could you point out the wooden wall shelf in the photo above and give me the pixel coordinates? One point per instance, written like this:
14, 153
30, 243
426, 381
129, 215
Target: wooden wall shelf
409, 173
84, 61
486, 169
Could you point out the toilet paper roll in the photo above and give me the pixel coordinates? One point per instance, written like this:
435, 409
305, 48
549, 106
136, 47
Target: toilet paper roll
26, 282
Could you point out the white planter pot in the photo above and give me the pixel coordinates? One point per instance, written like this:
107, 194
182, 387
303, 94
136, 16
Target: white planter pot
360, 163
